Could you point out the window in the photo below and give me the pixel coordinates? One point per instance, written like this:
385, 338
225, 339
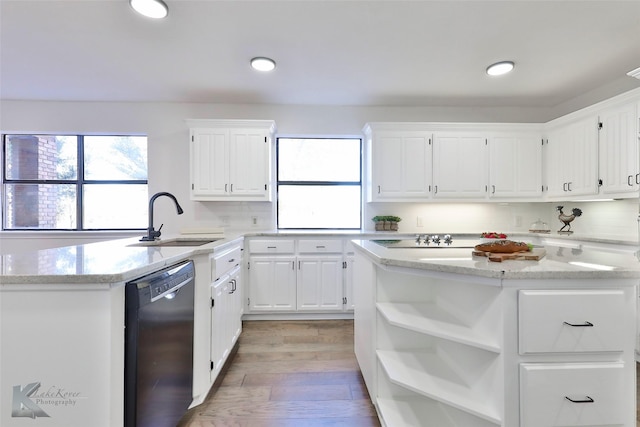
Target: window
319, 183
74, 182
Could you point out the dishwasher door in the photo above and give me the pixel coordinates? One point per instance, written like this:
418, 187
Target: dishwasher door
159, 347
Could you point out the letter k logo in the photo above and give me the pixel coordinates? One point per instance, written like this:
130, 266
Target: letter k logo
22, 405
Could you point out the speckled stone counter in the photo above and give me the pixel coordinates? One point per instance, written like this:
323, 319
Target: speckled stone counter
105, 263
558, 263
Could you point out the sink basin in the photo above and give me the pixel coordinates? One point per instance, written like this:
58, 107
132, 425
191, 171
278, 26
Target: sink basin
176, 242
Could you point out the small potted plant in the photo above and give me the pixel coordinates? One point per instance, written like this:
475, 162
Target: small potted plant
386, 222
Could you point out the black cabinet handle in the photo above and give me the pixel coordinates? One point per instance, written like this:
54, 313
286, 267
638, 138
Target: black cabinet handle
579, 325
586, 400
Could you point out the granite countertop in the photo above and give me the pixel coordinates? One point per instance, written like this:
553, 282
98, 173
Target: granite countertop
102, 263
117, 261
559, 262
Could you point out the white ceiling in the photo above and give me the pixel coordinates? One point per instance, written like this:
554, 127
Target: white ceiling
329, 52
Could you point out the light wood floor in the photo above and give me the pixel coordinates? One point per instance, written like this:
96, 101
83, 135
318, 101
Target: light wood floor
290, 374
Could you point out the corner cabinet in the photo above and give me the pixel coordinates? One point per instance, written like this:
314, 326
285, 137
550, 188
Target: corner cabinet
618, 136
572, 159
231, 159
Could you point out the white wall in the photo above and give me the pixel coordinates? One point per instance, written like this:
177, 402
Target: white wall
169, 156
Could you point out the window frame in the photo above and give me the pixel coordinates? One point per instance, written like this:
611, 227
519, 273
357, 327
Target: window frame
358, 183
79, 182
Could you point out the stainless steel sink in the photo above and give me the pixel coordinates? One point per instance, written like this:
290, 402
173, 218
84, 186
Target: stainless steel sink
176, 242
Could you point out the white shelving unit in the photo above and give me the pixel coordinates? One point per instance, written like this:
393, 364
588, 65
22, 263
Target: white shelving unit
438, 344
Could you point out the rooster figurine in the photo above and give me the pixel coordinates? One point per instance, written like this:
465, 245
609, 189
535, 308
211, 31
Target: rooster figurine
566, 219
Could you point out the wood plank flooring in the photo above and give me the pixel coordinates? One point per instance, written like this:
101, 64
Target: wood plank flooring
290, 374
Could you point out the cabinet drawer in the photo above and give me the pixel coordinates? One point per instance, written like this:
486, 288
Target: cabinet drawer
595, 388
572, 320
271, 246
225, 262
320, 246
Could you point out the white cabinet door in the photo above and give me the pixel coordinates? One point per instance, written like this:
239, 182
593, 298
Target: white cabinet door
209, 162
320, 283
219, 324
348, 282
573, 159
515, 166
230, 159
249, 163
272, 283
459, 166
236, 306
401, 166
619, 150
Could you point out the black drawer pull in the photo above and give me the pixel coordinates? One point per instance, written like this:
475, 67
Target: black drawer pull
232, 259
579, 325
587, 400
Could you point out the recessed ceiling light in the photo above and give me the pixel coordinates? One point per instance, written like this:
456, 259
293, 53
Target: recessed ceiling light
150, 8
500, 68
263, 64
634, 73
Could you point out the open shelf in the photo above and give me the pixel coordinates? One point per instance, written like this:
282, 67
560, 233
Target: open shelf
419, 411
431, 374
429, 318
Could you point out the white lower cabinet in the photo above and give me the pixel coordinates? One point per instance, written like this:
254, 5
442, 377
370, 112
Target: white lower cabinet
553, 321
301, 275
319, 282
226, 306
572, 394
448, 350
272, 283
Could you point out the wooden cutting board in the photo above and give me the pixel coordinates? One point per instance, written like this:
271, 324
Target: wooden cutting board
534, 254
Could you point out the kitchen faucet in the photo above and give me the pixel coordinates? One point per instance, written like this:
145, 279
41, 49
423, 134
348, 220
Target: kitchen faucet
151, 233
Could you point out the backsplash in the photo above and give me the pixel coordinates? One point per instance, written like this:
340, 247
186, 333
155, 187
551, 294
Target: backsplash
607, 219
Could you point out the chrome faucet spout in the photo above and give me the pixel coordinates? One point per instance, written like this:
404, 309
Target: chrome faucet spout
152, 234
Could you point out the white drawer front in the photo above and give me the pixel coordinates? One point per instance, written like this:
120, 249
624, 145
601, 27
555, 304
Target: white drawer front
320, 246
271, 246
572, 320
595, 388
225, 263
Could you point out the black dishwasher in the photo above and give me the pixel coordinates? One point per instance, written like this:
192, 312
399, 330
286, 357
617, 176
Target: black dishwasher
159, 347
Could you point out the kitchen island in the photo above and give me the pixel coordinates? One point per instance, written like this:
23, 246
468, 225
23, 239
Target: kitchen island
435, 317
62, 315
448, 339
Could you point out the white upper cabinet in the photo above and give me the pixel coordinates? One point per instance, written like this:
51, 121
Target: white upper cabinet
399, 165
459, 166
572, 159
515, 165
230, 159
618, 137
